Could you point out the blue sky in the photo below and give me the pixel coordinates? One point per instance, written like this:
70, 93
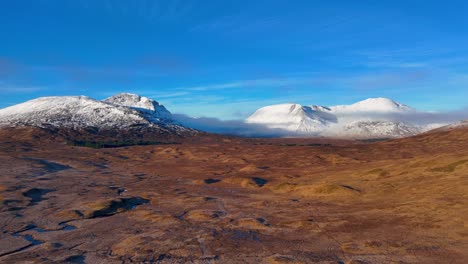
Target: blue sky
226, 58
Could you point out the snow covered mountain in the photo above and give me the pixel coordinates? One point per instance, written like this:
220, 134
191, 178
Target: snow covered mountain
119, 111
374, 105
370, 118
291, 117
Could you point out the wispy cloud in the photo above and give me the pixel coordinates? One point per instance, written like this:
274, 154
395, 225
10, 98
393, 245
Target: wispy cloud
79, 74
7, 89
411, 57
9, 67
392, 79
251, 21
164, 63
262, 82
359, 80
168, 94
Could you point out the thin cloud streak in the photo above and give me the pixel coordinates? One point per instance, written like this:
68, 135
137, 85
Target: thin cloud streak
19, 89
356, 81
250, 83
229, 127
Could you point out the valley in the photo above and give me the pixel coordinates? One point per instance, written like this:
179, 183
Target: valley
219, 199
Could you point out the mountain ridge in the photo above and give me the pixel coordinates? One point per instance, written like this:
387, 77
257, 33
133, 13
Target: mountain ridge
370, 118
83, 111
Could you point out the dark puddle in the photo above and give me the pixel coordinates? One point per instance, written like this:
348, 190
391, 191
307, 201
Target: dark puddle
180, 191
163, 257
57, 245
120, 190
93, 184
207, 259
68, 228
35, 194
245, 235
29, 238
318, 145
259, 181
50, 166
14, 188
140, 176
44, 179
97, 165
123, 204
15, 208
79, 213
218, 214
210, 181
181, 216
13, 205
64, 227
76, 259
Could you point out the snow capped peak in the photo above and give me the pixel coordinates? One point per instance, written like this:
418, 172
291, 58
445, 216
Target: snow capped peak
70, 111
119, 111
132, 100
281, 108
289, 116
373, 117
320, 108
380, 105
141, 103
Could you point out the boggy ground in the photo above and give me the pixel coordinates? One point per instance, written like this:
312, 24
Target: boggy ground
213, 199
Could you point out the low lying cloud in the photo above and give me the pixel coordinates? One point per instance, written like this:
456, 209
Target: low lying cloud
413, 117
437, 117
229, 127
425, 120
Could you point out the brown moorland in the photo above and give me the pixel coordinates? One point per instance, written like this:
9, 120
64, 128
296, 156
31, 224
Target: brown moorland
215, 199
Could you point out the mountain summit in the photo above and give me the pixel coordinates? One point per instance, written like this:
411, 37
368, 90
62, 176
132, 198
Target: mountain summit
376, 105
292, 117
142, 104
